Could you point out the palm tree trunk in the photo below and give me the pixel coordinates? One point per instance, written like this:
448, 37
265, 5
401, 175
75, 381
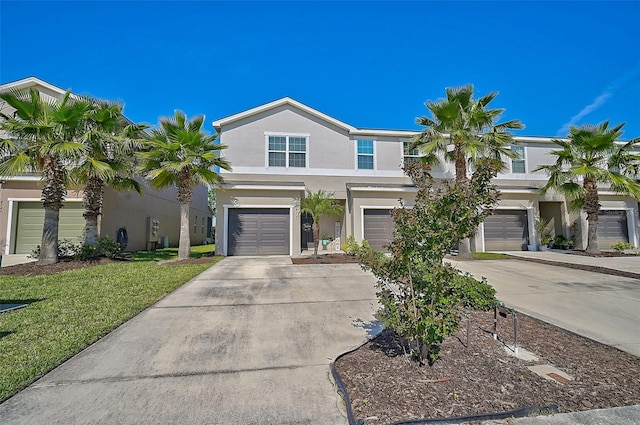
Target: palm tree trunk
592, 208
49, 244
53, 194
92, 202
464, 247
184, 248
316, 237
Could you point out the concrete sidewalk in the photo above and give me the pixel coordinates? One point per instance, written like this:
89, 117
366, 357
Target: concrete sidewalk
626, 263
599, 306
248, 341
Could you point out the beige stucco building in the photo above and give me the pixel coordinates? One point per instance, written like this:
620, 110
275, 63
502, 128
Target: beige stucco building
149, 219
283, 148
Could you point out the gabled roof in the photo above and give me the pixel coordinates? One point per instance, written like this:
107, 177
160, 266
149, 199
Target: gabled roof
30, 82
277, 103
314, 112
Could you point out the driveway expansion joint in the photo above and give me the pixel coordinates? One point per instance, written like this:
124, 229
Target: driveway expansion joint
266, 303
109, 380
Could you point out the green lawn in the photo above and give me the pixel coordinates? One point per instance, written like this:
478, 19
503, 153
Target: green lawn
490, 256
70, 310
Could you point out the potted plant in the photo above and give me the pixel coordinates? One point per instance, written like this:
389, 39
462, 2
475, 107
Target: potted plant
543, 232
326, 239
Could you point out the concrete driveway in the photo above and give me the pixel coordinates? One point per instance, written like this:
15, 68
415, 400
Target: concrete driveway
248, 341
602, 307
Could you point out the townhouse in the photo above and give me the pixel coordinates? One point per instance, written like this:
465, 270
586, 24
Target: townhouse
283, 148
150, 220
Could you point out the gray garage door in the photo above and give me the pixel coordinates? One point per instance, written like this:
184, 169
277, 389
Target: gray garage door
378, 227
612, 228
30, 221
506, 230
254, 231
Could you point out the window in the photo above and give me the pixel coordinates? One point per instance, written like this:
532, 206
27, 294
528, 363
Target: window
365, 154
203, 225
287, 151
410, 155
195, 225
517, 165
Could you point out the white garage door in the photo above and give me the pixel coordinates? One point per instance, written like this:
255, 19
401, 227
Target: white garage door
30, 222
506, 230
378, 228
254, 231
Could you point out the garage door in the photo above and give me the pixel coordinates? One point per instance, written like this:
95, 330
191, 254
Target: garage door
506, 230
378, 227
30, 222
612, 228
255, 231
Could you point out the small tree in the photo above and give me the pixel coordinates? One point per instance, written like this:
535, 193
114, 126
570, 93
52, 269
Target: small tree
318, 204
420, 294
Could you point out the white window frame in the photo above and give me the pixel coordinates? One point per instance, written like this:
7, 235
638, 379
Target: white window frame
287, 151
523, 159
404, 155
373, 155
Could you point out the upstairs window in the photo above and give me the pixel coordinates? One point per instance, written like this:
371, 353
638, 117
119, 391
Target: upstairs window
517, 164
287, 151
410, 155
365, 155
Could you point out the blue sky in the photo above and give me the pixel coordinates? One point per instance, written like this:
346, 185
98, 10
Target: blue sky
370, 64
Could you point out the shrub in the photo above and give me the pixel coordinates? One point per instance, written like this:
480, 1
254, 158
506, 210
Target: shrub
109, 247
66, 250
350, 246
421, 296
621, 246
562, 242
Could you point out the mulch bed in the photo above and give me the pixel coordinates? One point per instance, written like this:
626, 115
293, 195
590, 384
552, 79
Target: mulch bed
327, 259
386, 386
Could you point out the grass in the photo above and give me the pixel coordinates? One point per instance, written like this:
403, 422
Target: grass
490, 256
69, 311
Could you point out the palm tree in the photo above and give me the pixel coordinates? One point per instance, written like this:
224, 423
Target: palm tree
589, 156
180, 154
318, 204
111, 142
462, 130
43, 139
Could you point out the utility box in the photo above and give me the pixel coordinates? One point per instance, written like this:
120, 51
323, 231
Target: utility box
153, 230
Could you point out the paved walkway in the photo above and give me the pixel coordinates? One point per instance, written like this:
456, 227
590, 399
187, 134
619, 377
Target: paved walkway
248, 341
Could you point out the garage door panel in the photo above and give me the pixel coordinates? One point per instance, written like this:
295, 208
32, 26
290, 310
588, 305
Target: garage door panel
612, 228
506, 231
254, 231
30, 222
378, 227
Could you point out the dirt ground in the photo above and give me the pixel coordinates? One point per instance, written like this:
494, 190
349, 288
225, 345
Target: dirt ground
386, 386
481, 377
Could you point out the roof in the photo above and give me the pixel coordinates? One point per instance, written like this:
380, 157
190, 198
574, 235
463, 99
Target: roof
278, 103
287, 101
30, 82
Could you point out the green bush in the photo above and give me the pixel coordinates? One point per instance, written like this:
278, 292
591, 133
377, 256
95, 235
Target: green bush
350, 246
562, 242
621, 246
421, 296
109, 247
